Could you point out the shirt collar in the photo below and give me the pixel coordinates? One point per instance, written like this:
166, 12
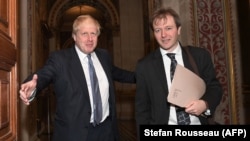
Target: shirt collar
177, 50
81, 54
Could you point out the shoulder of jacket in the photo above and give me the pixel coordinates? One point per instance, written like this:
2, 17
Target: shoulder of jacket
195, 48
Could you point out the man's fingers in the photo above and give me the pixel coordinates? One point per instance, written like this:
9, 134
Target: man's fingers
23, 96
35, 77
27, 89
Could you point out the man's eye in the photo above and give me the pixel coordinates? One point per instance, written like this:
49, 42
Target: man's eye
157, 30
168, 28
84, 33
93, 34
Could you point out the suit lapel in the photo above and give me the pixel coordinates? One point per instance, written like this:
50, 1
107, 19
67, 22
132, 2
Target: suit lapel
160, 70
78, 73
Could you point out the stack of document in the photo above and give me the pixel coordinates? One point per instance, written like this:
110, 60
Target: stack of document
186, 87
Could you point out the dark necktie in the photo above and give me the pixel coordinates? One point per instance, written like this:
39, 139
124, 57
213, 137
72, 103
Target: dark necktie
97, 102
182, 117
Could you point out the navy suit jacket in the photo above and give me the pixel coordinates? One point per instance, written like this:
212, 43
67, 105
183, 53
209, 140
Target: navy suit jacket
152, 90
72, 116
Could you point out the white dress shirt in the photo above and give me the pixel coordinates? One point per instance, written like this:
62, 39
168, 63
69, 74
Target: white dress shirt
102, 80
167, 61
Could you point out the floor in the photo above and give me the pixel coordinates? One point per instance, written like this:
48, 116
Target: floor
127, 131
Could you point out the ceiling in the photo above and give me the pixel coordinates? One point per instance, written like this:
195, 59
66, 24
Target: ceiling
70, 14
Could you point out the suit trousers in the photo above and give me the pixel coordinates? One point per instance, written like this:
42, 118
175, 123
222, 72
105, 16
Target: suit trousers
102, 132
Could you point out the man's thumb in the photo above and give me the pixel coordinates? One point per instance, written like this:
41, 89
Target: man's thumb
35, 77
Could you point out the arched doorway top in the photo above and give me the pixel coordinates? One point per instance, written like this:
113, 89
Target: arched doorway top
105, 6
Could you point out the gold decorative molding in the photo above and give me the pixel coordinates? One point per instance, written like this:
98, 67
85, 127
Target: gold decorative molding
231, 73
234, 63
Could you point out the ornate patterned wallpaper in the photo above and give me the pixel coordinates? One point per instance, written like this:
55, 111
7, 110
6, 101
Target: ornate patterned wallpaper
211, 23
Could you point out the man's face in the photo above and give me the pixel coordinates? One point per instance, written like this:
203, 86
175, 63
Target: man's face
166, 33
87, 36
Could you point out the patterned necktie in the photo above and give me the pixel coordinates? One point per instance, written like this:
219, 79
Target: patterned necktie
182, 117
97, 102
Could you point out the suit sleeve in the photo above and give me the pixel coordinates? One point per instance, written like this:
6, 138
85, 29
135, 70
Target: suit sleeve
213, 93
122, 75
46, 74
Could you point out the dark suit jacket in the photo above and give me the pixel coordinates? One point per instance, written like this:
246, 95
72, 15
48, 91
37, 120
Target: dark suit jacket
152, 90
73, 110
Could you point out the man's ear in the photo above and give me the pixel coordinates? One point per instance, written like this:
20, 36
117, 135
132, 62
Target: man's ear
179, 30
74, 36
